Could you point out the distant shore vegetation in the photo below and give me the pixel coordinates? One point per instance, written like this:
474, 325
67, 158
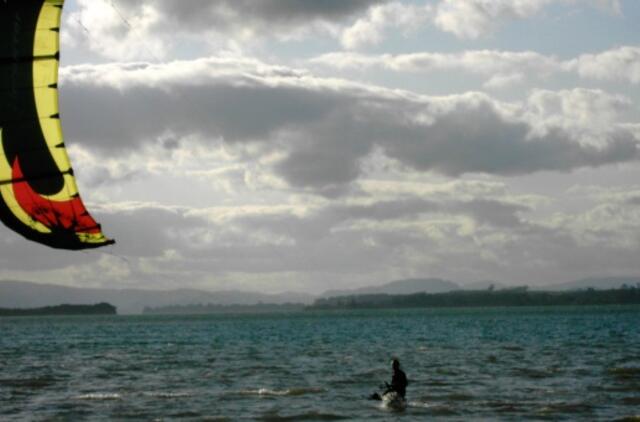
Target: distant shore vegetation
97, 309
518, 296
200, 309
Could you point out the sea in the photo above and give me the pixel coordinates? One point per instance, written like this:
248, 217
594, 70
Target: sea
463, 364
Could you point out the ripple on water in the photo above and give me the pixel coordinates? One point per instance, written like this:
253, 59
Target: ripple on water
625, 373
505, 406
99, 396
167, 394
35, 383
306, 416
459, 397
288, 392
532, 373
479, 364
631, 418
567, 407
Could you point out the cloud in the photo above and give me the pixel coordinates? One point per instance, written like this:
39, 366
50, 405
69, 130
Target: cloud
472, 19
590, 115
323, 130
478, 138
102, 28
482, 226
203, 14
370, 30
127, 29
621, 63
502, 68
152, 30
149, 29
485, 62
348, 235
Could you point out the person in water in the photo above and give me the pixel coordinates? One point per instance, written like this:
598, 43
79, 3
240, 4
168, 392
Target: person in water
398, 380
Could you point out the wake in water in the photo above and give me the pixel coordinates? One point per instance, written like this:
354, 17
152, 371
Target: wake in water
289, 392
99, 396
118, 396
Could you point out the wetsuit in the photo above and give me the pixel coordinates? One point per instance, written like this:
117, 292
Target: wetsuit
399, 382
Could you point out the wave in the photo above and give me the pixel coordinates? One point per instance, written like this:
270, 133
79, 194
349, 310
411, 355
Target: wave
512, 348
99, 396
296, 391
567, 407
503, 406
625, 372
419, 404
307, 416
532, 373
435, 409
166, 394
459, 397
31, 383
118, 396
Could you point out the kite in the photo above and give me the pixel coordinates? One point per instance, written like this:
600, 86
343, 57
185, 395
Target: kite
39, 198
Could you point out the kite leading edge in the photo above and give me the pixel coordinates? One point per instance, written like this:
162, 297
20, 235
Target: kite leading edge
39, 198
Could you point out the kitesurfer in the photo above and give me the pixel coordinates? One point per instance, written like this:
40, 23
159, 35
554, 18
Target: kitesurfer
398, 380
398, 384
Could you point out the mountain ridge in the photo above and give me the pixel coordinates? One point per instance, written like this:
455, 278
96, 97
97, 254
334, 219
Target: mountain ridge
26, 294
404, 286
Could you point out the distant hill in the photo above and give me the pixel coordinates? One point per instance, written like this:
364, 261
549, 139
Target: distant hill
22, 294
261, 308
598, 283
484, 285
400, 287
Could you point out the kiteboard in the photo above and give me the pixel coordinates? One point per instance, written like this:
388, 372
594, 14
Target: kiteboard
390, 400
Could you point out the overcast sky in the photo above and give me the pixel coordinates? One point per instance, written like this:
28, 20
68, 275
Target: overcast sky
276, 145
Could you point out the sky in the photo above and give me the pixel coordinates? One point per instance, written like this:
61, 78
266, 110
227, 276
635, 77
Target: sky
294, 145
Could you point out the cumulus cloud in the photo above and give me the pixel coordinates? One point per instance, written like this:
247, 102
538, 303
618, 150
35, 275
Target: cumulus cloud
591, 115
199, 14
370, 30
326, 237
149, 29
484, 62
482, 226
132, 29
229, 172
621, 63
102, 28
501, 68
166, 246
472, 19
323, 129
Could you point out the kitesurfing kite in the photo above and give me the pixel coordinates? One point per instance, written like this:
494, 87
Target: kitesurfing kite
39, 198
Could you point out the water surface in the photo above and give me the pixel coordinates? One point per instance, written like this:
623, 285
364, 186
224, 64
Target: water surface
559, 363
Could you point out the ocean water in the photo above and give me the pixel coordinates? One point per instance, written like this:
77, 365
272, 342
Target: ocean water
515, 364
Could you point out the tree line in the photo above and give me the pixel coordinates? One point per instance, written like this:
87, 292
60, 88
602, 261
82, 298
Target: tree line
520, 296
98, 309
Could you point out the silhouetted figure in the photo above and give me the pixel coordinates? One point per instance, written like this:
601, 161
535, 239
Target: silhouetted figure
398, 380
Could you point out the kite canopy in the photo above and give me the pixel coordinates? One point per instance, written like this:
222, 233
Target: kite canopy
38, 194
